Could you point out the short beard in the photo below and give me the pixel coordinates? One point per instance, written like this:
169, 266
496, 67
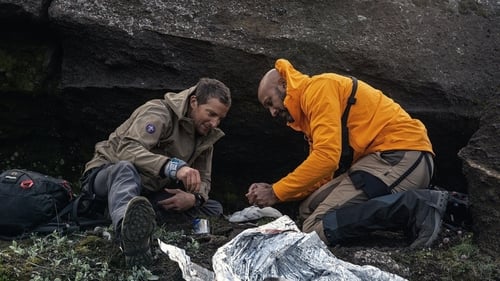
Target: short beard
283, 115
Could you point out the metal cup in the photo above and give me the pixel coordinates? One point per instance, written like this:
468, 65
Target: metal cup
201, 226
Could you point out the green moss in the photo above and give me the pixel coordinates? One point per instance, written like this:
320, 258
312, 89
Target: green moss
463, 261
23, 68
88, 245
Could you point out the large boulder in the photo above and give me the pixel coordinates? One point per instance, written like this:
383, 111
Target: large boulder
92, 62
481, 159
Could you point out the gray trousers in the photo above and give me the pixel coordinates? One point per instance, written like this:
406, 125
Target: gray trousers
120, 182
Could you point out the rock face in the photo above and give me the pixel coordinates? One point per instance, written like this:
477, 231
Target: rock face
481, 158
71, 71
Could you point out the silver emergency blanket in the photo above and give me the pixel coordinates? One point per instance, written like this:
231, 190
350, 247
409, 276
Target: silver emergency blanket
280, 249
275, 250
190, 270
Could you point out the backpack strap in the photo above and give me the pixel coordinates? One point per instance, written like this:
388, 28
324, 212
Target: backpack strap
409, 171
69, 219
347, 153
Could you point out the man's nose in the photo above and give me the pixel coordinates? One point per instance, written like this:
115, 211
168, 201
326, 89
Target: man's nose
214, 122
273, 111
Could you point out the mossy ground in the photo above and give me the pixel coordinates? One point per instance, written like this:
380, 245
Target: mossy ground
91, 256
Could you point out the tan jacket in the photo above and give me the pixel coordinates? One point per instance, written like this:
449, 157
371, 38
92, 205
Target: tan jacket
154, 132
376, 123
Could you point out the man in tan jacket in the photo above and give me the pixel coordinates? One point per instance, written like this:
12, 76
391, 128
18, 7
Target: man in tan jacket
384, 149
164, 144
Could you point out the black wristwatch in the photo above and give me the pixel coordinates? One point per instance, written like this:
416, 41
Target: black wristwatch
200, 200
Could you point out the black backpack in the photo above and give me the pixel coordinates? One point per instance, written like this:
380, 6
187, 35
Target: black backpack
32, 202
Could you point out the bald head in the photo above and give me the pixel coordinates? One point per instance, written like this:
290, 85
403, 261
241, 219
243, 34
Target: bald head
268, 83
272, 93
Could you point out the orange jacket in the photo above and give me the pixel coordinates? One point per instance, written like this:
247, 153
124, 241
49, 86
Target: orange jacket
376, 123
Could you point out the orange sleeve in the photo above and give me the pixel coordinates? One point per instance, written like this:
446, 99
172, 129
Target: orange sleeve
321, 106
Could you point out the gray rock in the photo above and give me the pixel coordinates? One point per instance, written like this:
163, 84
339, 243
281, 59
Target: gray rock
101, 59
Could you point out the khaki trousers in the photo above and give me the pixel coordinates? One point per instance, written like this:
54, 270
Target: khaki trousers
388, 166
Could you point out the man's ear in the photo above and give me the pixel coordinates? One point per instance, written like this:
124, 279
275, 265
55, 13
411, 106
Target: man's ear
282, 82
193, 101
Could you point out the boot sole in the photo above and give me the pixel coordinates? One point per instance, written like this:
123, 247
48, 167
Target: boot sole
137, 227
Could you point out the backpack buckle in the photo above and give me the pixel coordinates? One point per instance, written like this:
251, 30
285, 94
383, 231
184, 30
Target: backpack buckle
26, 184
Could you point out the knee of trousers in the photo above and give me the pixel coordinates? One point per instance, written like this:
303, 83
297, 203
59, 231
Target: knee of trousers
124, 170
118, 174
125, 166
330, 228
213, 208
315, 226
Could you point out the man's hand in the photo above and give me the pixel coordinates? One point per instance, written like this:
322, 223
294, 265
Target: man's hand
190, 178
261, 194
180, 201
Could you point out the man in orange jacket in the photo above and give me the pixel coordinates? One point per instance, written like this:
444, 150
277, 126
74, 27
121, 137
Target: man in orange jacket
385, 150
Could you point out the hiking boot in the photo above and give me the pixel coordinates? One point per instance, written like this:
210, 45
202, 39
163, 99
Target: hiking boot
136, 229
430, 226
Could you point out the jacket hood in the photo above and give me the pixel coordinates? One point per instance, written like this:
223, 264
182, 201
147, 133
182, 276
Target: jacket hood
179, 101
296, 83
